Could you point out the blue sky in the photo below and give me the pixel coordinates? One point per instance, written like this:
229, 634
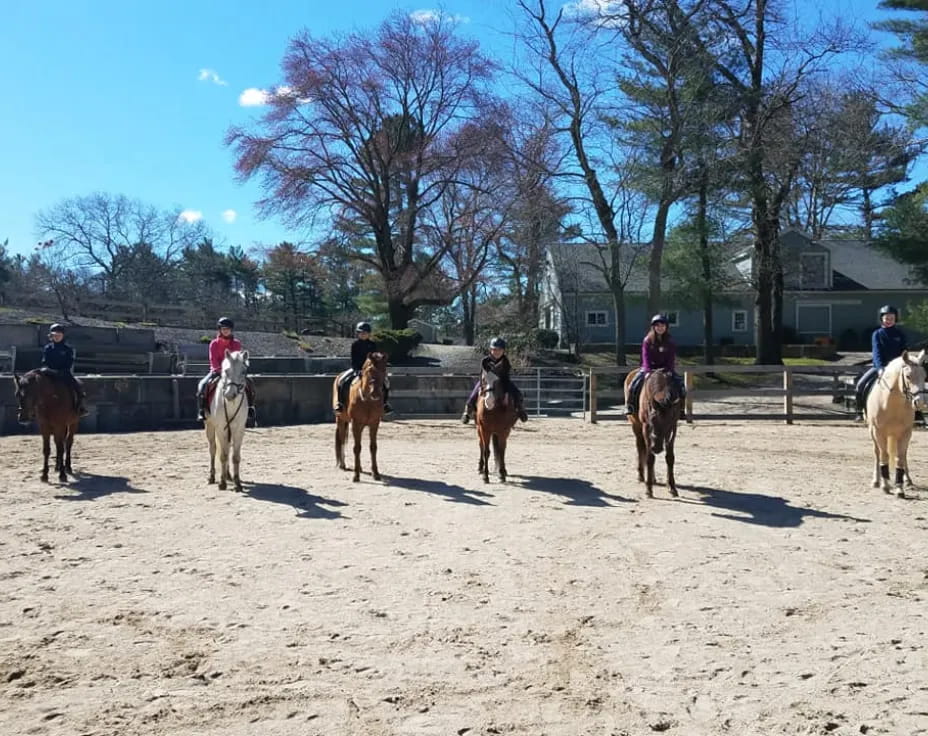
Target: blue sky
107, 95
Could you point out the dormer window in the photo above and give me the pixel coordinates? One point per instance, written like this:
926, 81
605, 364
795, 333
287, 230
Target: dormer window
813, 271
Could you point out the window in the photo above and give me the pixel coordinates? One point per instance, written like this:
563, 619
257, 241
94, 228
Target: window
596, 319
812, 274
673, 319
739, 320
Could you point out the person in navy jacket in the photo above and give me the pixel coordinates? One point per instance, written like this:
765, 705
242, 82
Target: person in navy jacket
658, 350
888, 343
58, 357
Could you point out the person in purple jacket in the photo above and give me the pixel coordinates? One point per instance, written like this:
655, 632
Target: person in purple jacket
657, 351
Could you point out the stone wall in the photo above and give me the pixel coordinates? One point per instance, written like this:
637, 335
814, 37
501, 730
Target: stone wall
145, 403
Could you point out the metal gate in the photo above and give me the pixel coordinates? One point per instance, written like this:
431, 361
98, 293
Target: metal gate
553, 392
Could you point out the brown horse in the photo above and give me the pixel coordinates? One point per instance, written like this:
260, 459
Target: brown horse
364, 409
655, 425
496, 416
50, 402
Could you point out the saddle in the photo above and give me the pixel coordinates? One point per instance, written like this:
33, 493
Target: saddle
210, 390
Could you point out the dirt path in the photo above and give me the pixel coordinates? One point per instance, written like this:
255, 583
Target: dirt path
781, 595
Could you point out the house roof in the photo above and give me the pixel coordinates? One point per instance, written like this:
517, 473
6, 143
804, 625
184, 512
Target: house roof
579, 268
860, 262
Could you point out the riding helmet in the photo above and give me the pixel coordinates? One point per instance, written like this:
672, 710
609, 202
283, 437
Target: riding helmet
498, 342
225, 322
660, 318
888, 309
56, 328
363, 327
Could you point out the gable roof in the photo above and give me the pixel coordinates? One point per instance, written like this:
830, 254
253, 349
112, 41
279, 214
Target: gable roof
871, 268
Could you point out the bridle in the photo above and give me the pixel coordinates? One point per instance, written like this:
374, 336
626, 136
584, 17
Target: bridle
906, 387
370, 375
239, 394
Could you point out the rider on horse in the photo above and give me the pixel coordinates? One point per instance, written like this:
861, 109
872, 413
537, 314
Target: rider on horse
58, 359
888, 343
223, 341
360, 349
658, 350
496, 362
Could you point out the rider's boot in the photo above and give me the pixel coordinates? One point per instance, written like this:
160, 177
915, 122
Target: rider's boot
81, 408
201, 408
252, 420
468, 414
520, 412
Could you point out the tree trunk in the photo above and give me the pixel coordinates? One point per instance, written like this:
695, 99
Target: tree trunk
469, 306
400, 314
618, 303
657, 252
707, 295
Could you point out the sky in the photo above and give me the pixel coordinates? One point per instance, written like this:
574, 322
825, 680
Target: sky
132, 97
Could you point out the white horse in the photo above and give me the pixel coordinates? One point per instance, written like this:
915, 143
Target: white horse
228, 412
891, 406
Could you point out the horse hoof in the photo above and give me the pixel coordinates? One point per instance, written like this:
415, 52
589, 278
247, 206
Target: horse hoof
222, 486
356, 479
673, 492
45, 479
900, 493
376, 476
486, 479
238, 488
875, 484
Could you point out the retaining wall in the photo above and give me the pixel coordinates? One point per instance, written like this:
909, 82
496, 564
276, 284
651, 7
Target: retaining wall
145, 403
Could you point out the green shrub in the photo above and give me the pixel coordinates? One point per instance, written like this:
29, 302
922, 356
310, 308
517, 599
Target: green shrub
547, 339
206, 339
397, 344
291, 334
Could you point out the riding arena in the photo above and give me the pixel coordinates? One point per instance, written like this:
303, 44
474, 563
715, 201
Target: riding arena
779, 593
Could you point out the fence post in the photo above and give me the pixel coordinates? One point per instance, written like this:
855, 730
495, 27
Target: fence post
788, 394
175, 396
688, 384
592, 397
538, 392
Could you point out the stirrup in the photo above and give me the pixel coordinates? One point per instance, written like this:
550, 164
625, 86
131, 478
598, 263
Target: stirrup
465, 417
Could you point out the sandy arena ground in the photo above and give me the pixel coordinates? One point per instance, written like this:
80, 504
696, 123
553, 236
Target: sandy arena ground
780, 595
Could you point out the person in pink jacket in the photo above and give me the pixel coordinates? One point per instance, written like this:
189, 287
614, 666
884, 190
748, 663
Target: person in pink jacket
223, 341
658, 351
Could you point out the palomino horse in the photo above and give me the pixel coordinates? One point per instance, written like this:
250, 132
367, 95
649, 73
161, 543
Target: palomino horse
225, 423
655, 425
50, 402
364, 409
496, 416
891, 406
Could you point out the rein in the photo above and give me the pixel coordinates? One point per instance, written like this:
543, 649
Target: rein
240, 395
905, 387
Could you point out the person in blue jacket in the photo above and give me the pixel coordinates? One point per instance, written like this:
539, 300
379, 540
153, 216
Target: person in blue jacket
58, 357
888, 343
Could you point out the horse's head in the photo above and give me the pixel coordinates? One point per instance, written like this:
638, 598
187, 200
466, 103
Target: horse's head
25, 398
234, 373
373, 376
491, 389
659, 394
913, 376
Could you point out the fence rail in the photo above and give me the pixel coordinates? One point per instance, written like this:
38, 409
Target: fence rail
841, 387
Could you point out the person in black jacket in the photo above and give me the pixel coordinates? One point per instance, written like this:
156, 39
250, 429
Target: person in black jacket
888, 343
360, 349
496, 362
58, 360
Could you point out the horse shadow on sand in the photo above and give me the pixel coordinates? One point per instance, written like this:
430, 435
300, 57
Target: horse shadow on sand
756, 508
576, 491
451, 492
307, 505
90, 486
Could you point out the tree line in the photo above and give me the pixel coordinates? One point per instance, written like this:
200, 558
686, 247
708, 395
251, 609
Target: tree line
666, 133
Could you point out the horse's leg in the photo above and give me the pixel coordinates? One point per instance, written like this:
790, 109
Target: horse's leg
341, 429
483, 433
649, 480
876, 457
60, 440
642, 450
236, 461
211, 440
72, 430
499, 450
372, 431
480, 446
902, 451
886, 451
223, 460
46, 451
671, 483
357, 429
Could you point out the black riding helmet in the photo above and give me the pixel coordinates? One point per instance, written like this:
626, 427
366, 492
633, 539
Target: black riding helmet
659, 319
56, 328
362, 327
889, 309
225, 322
498, 342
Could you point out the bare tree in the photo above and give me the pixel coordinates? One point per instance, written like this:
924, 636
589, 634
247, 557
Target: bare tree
364, 132
100, 231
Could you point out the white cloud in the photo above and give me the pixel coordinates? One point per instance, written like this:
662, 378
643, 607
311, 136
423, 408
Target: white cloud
229, 216
211, 75
189, 216
427, 15
253, 97
605, 13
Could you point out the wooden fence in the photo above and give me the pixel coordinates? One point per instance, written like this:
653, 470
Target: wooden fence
840, 388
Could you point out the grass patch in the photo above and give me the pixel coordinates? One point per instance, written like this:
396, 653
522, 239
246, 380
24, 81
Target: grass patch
290, 334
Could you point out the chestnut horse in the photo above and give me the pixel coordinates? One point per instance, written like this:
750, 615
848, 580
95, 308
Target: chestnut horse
49, 401
891, 405
496, 416
655, 425
364, 409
